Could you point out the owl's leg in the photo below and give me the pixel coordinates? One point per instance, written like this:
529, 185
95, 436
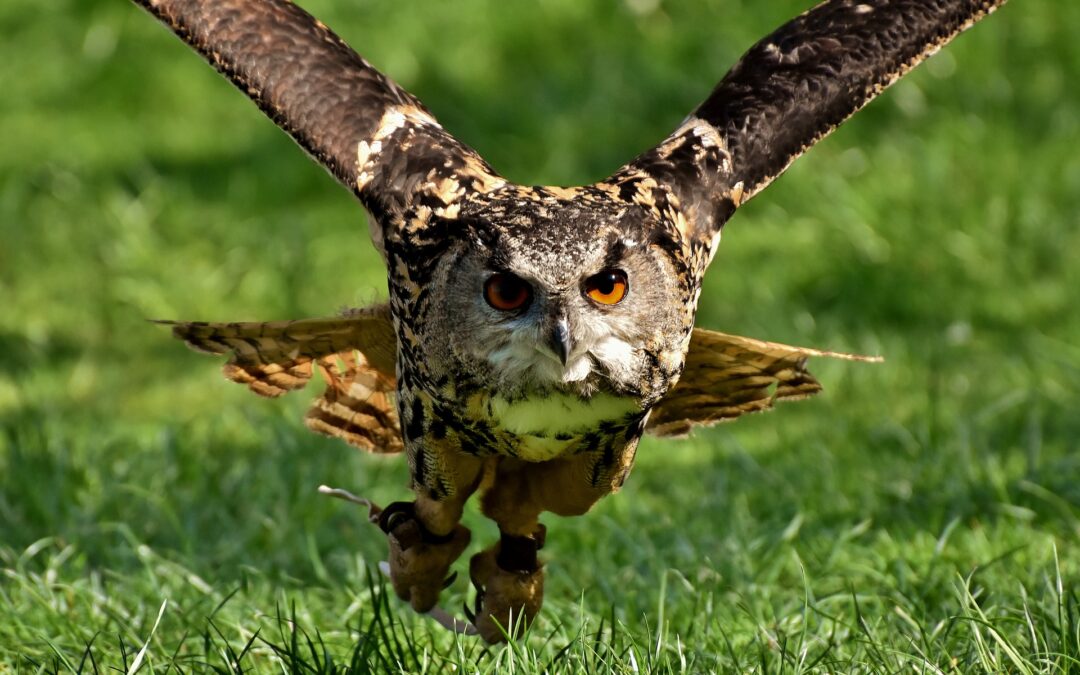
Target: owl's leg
508, 574
425, 535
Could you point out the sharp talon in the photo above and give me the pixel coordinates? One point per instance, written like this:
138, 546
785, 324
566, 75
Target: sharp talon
449, 580
478, 604
471, 615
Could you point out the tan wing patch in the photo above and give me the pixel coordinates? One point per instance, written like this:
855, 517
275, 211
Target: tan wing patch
355, 353
727, 376
358, 405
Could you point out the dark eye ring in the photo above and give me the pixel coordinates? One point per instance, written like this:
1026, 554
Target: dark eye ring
507, 292
608, 287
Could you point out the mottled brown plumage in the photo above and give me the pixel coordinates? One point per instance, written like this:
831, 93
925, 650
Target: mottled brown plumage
355, 355
533, 334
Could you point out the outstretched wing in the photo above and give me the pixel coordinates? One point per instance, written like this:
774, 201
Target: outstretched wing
372, 135
355, 354
788, 92
726, 376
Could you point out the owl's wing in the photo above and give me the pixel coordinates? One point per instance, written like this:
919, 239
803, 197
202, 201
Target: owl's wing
789, 91
727, 376
355, 354
372, 135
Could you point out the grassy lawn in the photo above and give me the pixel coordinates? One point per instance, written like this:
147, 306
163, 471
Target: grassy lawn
919, 516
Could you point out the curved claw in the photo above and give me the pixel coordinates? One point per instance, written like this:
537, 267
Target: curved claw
440, 615
478, 603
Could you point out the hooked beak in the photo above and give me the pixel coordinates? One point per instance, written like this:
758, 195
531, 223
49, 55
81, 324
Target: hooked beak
559, 339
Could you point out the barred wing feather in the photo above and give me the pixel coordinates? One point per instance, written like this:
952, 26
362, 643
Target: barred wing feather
354, 353
727, 376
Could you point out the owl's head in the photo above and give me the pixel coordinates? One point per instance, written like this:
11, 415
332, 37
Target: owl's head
541, 294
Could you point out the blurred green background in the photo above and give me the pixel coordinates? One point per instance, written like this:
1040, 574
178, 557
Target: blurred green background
940, 228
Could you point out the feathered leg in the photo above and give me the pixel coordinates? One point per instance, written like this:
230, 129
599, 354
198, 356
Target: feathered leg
425, 536
508, 576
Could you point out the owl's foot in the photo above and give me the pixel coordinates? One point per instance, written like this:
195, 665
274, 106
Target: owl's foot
419, 559
510, 586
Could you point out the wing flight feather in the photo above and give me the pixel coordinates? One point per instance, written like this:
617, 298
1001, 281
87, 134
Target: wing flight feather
373, 136
354, 353
789, 91
726, 376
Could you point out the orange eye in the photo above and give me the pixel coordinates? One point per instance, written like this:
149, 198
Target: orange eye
506, 292
608, 287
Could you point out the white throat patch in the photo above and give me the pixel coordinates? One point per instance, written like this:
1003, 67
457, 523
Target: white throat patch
524, 362
549, 425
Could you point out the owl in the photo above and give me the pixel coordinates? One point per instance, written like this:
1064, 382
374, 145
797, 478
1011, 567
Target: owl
532, 334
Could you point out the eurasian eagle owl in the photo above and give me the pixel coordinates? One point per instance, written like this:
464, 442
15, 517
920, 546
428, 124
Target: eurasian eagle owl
533, 334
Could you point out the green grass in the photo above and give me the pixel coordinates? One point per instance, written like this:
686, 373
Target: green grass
919, 516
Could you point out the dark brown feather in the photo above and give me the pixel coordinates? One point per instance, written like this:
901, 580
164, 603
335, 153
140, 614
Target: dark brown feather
790, 90
323, 94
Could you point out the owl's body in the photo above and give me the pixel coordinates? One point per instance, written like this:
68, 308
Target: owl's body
480, 381
533, 334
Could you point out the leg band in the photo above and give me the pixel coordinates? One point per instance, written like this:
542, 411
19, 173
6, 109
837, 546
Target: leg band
518, 554
399, 519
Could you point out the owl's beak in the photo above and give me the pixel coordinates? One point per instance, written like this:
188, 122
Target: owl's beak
559, 340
